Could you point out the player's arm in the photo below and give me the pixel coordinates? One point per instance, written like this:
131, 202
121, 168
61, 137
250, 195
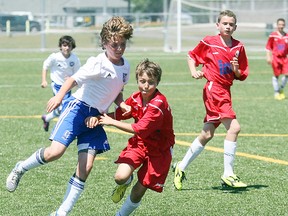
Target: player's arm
269, 56
44, 78
55, 101
126, 109
193, 70
107, 120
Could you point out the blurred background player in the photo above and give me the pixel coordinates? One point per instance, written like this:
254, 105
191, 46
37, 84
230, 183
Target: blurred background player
100, 82
276, 55
224, 60
150, 149
62, 65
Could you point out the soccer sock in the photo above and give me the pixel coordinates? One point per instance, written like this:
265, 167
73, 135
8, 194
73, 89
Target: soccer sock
35, 160
229, 156
275, 84
74, 189
128, 207
284, 82
50, 116
194, 150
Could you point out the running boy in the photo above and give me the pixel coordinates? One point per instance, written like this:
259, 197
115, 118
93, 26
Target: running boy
100, 81
223, 59
151, 146
62, 65
276, 55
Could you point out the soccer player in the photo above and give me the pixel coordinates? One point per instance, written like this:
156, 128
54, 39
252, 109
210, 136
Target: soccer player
62, 65
100, 83
224, 60
150, 149
276, 55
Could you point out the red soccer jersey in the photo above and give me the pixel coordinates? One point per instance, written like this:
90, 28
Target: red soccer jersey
215, 58
277, 44
153, 123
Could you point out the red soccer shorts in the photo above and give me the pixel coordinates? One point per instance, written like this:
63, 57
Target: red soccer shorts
154, 170
218, 104
280, 66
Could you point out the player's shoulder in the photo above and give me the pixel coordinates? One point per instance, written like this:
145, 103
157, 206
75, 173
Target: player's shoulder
159, 99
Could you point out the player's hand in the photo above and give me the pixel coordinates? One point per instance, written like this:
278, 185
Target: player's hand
126, 109
106, 120
91, 121
197, 74
53, 103
44, 84
234, 64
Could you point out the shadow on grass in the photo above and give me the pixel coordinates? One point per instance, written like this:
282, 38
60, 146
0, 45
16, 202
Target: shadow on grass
228, 189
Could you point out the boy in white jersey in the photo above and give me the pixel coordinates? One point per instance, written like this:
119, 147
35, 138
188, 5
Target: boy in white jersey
100, 81
62, 65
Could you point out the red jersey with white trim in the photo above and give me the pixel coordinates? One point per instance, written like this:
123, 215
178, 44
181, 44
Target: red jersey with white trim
153, 123
215, 58
277, 44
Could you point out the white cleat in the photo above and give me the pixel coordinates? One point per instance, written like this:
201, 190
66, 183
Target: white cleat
14, 178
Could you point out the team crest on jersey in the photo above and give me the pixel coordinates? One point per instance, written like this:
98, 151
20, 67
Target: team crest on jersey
125, 77
72, 64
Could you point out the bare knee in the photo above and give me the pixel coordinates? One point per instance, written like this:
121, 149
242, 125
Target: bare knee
51, 154
120, 178
234, 129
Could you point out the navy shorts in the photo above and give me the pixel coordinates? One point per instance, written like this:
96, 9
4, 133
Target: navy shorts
71, 125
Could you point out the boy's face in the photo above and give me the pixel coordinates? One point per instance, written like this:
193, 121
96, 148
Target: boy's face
147, 86
226, 26
115, 50
280, 26
66, 49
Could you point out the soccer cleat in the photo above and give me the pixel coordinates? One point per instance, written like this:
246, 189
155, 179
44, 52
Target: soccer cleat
232, 181
45, 123
281, 94
14, 178
119, 191
277, 96
179, 176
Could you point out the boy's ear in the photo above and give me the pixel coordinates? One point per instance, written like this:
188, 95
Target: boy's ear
235, 27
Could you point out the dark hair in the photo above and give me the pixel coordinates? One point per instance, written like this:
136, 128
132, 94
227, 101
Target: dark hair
152, 70
115, 27
227, 13
68, 40
280, 19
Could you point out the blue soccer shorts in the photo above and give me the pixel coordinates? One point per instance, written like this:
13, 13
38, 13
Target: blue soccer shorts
71, 125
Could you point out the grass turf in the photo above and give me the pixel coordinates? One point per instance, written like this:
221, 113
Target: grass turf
261, 161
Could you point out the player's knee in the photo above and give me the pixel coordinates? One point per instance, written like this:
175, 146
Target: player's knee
235, 129
120, 178
52, 154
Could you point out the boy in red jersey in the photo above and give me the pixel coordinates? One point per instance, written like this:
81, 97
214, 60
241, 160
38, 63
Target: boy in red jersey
224, 60
277, 50
150, 149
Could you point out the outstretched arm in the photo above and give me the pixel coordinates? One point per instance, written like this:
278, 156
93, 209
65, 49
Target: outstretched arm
106, 120
55, 101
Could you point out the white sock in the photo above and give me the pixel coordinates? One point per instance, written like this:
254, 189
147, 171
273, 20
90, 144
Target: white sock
275, 84
35, 160
51, 116
284, 82
128, 207
194, 150
74, 189
229, 156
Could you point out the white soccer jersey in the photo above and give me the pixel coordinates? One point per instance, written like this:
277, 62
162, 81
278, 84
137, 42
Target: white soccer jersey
61, 67
100, 81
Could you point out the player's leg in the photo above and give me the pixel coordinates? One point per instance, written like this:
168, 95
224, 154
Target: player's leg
194, 150
40, 157
230, 143
284, 80
76, 183
133, 200
123, 178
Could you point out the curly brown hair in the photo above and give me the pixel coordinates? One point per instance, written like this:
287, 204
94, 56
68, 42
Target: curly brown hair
115, 27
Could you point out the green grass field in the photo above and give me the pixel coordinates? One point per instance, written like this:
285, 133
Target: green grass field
262, 160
